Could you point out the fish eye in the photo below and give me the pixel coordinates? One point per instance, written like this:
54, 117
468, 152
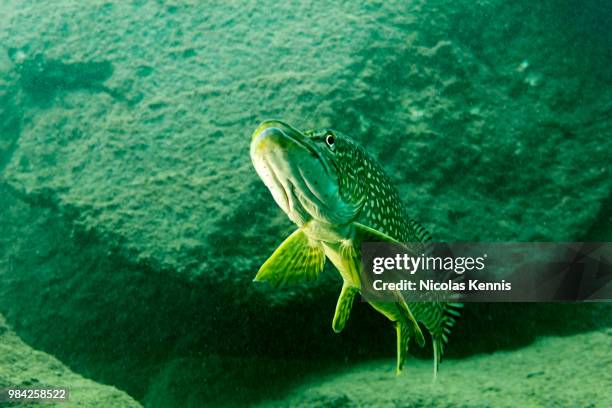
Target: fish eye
330, 140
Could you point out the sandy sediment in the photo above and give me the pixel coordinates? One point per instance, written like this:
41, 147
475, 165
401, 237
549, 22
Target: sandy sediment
553, 372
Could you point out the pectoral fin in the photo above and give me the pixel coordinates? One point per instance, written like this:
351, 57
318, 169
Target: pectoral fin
343, 307
295, 260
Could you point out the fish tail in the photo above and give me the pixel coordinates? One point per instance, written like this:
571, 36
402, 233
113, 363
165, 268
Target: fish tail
442, 331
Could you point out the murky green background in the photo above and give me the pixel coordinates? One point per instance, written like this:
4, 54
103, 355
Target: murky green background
132, 222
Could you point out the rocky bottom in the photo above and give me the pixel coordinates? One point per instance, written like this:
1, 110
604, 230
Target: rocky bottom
573, 371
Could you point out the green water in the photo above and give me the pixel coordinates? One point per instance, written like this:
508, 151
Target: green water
132, 221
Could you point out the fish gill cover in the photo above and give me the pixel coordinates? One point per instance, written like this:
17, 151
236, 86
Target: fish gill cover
132, 222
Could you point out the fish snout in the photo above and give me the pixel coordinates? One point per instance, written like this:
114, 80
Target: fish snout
270, 128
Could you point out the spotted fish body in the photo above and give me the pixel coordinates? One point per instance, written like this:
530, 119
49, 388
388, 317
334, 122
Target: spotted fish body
340, 197
382, 207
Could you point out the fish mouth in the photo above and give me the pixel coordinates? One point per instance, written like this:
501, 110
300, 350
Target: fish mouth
279, 132
294, 171
300, 174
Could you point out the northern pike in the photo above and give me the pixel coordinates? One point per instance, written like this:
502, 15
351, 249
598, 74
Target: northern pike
339, 197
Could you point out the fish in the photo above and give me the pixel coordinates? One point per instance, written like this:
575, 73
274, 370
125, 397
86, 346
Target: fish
339, 197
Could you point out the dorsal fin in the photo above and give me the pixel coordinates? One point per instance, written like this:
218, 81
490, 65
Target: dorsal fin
420, 232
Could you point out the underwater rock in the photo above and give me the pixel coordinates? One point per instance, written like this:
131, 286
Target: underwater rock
71, 294
42, 78
162, 178
11, 115
23, 367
